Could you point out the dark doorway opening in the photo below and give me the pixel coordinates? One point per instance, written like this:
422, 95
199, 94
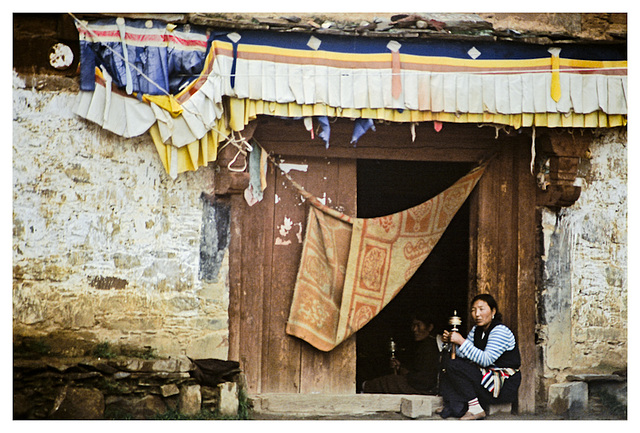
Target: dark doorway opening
440, 285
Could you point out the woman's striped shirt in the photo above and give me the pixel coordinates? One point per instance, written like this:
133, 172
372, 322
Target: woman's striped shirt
500, 340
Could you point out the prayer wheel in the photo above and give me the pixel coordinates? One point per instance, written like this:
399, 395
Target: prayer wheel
454, 321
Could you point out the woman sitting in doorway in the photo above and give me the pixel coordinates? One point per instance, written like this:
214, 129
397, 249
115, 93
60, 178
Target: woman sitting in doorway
419, 373
485, 369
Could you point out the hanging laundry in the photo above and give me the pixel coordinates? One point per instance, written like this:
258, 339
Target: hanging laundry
361, 126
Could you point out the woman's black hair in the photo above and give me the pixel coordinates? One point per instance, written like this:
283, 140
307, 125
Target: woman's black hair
491, 302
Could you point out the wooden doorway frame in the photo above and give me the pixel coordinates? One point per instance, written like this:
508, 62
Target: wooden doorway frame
503, 232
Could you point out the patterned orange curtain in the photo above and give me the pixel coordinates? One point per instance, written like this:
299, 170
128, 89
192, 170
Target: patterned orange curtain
351, 268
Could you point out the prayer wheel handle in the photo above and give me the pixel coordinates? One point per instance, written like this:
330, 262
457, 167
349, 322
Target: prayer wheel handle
454, 321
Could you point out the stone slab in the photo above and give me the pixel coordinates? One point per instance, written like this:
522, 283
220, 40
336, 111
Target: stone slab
342, 404
190, 400
228, 398
596, 378
568, 397
416, 407
500, 408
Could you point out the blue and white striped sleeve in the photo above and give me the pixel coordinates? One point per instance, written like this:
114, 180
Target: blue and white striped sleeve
500, 340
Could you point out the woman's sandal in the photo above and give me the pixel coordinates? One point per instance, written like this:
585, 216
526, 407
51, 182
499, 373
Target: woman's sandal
471, 416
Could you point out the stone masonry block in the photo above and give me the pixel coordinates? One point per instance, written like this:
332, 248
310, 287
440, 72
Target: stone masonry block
169, 390
568, 398
501, 408
228, 401
415, 408
190, 400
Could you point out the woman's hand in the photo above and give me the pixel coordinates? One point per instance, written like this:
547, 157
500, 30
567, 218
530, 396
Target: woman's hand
394, 364
452, 337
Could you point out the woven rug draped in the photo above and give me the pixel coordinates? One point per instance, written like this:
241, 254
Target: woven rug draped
352, 267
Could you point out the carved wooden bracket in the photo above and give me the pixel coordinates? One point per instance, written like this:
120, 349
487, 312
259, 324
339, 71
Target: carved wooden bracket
563, 151
236, 179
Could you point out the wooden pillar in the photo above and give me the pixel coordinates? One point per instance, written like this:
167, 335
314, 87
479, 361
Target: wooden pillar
502, 250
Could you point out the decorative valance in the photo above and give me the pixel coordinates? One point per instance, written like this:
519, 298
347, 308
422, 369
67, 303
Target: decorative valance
193, 87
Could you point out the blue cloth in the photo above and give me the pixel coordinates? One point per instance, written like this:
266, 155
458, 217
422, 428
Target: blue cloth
169, 68
361, 126
325, 129
490, 50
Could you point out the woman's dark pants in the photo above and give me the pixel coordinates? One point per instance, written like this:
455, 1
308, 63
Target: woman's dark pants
460, 382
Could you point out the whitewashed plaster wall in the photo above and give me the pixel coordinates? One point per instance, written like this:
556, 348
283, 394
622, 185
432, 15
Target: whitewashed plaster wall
583, 301
105, 243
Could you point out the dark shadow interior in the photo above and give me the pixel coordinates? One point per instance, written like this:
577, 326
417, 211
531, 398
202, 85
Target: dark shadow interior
440, 285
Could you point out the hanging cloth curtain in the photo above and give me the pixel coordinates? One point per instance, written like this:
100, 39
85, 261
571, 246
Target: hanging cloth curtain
351, 268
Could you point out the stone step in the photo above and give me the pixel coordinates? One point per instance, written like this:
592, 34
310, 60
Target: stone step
501, 408
412, 406
592, 377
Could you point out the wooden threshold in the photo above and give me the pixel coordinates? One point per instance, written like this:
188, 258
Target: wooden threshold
301, 405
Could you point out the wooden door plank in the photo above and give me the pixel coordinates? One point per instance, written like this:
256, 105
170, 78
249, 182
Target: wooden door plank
505, 237
343, 365
316, 366
267, 224
281, 354
247, 275
334, 371
474, 218
526, 306
487, 231
255, 220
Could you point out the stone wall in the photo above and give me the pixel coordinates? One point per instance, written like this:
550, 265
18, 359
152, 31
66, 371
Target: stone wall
105, 243
121, 388
583, 297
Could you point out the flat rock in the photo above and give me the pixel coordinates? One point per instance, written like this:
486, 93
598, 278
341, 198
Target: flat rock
78, 404
596, 378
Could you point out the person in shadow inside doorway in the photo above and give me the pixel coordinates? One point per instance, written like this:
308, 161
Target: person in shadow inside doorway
418, 373
485, 369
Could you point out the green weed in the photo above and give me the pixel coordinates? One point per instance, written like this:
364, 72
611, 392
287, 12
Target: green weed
104, 350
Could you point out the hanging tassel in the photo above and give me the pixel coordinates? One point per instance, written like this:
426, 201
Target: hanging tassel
234, 38
396, 81
555, 74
